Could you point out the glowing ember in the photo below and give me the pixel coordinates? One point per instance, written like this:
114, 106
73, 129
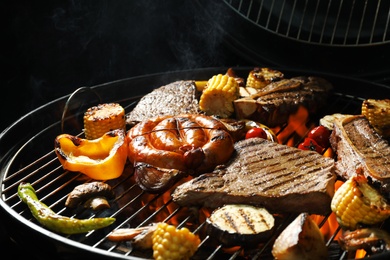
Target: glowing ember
295, 129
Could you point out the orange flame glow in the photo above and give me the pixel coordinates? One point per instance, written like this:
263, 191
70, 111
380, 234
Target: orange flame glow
296, 127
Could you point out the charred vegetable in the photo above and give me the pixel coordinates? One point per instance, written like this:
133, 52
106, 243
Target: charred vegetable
92, 194
57, 223
377, 112
302, 239
260, 129
103, 158
357, 202
261, 77
372, 240
103, 118
172, 243
240, 225
141, 237
218, 96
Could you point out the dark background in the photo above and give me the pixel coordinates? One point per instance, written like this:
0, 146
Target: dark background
52, 48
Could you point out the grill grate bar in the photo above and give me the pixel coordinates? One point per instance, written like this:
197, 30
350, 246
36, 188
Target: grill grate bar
345, 22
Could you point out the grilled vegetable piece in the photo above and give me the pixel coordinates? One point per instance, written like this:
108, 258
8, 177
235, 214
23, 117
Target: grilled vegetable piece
310, 144
270, 135
377, 112
103, 158
357, 202
103, 118
328, 120
55, 222
141, 237
218, 96
86, 191
261, 77
321, 135
171, 243
372, 240
301, 239
238, 224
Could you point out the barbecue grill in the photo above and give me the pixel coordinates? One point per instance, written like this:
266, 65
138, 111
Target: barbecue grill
26, 154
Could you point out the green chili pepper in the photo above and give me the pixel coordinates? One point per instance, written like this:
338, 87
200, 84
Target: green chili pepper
54, 221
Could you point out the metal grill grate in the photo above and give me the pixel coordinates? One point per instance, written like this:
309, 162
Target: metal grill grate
132, 206
325, 22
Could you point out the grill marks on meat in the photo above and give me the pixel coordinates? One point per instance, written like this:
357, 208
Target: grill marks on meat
283, 179
361, 150
180, 97
273, 104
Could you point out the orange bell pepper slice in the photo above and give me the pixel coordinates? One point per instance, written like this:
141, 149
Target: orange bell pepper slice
103, 158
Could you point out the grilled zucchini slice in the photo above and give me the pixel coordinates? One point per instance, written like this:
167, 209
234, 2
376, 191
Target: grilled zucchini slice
243, 225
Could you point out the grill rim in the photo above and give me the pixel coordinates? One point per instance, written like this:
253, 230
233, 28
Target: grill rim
161, 78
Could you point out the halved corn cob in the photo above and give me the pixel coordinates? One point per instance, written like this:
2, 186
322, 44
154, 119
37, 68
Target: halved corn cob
218, 96
103, 118
377, 111
261, 77
357, 202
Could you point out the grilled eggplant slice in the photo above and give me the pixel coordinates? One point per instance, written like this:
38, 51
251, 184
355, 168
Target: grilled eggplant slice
240, 224
301, 239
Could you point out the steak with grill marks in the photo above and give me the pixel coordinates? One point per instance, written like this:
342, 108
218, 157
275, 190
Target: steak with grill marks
273, 104
361, 150
280, 178
179, 97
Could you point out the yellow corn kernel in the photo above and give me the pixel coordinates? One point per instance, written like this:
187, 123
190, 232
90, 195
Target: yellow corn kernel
218, 96
357, 202
261, 77
200, 85
172, 243
377, 112
103, 118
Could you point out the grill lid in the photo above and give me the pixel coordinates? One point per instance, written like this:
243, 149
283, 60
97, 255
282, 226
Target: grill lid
344, 23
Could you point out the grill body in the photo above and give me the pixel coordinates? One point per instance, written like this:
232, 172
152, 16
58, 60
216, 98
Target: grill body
27, 155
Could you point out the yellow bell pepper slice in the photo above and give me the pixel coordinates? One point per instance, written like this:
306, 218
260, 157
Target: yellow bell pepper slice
103, 158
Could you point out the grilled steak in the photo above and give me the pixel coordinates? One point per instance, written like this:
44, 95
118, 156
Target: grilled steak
180, 97
273, 104
280, 178
361, 150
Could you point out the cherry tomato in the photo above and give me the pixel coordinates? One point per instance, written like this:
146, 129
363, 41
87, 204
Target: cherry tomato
311, 145
321, 135
256, 132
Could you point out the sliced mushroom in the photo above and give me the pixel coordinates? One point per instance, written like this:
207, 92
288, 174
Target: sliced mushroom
93, 194
140, 238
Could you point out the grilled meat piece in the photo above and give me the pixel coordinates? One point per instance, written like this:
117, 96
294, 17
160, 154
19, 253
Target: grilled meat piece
273, 104
263, 173
361, 150
180, 97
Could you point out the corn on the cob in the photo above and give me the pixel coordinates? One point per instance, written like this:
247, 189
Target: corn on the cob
103, 118
172, 243
218, 96
261, 77
357, 202
377, 111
